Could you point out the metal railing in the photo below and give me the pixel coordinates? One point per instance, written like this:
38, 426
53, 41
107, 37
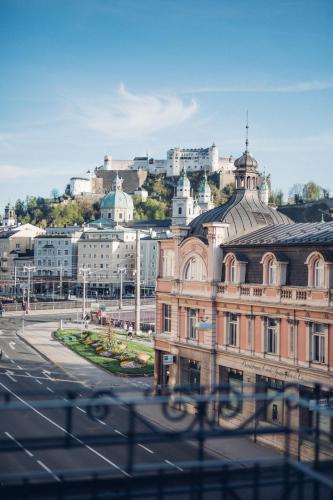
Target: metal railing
184, 414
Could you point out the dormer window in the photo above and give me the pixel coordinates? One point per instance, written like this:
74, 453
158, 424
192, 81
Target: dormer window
272, 272
274, 269
232, 271
318, 281
319, 271
235, 267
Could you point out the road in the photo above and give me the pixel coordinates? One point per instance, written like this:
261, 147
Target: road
34, 440
27, 376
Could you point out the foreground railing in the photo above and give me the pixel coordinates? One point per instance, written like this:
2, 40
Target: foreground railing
168, 420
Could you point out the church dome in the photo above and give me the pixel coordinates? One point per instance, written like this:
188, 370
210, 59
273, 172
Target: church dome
246, 161
117, 199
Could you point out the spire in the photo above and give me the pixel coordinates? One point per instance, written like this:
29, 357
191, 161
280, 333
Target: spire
247, 132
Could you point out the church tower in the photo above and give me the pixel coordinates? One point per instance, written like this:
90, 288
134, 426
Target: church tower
205, 195
264, 190
9, 218
183, 203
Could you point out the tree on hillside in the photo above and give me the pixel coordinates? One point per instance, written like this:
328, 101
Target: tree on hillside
276, 197
151, 210
296, 192
66, 213
221, 196
312, 191
55, 193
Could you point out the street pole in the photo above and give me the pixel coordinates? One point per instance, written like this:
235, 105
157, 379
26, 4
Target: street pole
29, 269
121, 270
84, 271
15, 277
137, 284
60, 288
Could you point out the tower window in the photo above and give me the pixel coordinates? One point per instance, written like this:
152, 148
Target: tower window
179, 210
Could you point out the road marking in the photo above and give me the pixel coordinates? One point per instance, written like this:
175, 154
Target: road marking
48, 470
100, 421
49, 389
38, 381
145, 448
81, 409
65, 431
12, 345
47, 374
12, 361
19, 367
19, 444
120, 433
6, 355
27, 373
173, 465
10, 375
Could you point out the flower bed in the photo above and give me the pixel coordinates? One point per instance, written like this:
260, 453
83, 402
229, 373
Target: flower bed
123, 356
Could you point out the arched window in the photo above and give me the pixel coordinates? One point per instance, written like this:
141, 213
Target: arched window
248, 183
272, 272
168, 263
318, 273
235, 268
232, 271
253, 183
274, 269
195, 269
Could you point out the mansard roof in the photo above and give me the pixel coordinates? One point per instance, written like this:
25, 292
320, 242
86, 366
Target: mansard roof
309, 233
244, 212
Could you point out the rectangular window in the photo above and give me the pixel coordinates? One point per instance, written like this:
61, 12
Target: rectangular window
271, 336
318, 343
292, 330
166, 312
232, 329
191, 323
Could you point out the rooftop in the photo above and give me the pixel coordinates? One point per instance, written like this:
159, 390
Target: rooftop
294, 234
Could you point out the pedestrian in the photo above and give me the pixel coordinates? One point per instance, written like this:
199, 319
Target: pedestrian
130, 331
0, 353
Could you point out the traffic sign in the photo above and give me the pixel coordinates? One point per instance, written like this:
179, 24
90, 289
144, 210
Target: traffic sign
167, 359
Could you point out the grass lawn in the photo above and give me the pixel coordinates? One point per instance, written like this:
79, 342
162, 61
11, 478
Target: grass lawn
71, 338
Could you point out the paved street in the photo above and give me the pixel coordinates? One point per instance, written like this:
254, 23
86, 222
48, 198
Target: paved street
47, 371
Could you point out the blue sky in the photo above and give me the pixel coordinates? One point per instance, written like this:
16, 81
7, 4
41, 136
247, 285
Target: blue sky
85, 78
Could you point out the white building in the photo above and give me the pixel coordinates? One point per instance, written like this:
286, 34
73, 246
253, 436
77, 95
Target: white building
56, 252
107, 252
15, 241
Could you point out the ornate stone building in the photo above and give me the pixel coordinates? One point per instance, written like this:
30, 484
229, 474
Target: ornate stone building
244, 298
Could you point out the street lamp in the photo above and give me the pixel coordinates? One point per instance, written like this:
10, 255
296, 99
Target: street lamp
83, 271
29, 269
121, 271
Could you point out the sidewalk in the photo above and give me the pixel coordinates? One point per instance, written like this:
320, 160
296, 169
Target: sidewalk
77, 368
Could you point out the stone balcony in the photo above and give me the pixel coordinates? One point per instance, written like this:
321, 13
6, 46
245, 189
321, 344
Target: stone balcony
290, 295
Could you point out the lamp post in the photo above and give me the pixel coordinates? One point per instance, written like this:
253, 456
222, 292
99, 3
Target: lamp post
84, 272
29, 269
121, 271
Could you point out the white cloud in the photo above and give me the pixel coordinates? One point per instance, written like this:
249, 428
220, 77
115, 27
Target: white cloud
126, 115
310, 86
